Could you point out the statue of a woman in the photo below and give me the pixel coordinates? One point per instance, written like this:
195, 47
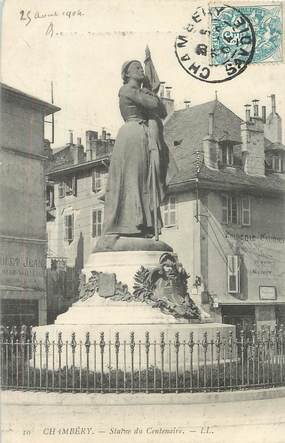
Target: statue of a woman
131, 206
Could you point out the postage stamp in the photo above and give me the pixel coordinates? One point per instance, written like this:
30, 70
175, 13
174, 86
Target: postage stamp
233, 44
267, 23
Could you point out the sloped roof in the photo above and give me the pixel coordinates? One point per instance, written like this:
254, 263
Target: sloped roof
228, 179
16, 95
184, 133
186, 128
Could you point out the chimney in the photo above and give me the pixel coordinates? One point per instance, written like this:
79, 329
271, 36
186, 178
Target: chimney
252, 135
187, 103
247, 112
168, 91
104, 133
263, 110
273, 103
167, 100
70, 137
211, 145
273, 126
255, 108
108, 136
91, 140
78, 152
211, 124
162, 89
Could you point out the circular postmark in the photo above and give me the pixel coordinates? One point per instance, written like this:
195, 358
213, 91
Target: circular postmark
216, 45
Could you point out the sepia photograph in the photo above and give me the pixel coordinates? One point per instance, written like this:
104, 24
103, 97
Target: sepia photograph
142, 221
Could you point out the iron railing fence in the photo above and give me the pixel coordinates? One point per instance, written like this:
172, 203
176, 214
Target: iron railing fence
132, 365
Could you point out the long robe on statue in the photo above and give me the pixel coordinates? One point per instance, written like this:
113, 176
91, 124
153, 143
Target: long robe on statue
128, 200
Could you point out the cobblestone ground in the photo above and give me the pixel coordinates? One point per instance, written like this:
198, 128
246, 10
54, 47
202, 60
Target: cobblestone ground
261, 421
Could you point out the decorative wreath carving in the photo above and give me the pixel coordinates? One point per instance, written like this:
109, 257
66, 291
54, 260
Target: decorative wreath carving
164, 287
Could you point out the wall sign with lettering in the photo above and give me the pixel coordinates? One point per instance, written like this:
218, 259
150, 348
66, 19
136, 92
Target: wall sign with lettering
267, 293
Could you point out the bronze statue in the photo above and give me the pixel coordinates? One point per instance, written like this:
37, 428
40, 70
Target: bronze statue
140, 161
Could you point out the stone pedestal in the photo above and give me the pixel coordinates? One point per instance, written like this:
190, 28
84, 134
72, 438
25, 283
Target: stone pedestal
132, 332
125, 258
98, 315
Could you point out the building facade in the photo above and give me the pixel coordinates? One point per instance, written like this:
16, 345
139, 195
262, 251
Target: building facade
76, 181
227, 210
23, 213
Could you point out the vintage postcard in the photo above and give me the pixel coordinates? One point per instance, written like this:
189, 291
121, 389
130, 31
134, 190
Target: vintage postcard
142, 234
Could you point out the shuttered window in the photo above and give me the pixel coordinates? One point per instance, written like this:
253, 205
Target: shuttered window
67, 187
233, 262
98, 180
61, 189
236, 210
169, 212
97, 222
245, 211
225, 209
277, 165
69, 228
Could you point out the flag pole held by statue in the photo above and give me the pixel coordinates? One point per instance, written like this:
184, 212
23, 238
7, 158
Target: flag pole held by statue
153, 83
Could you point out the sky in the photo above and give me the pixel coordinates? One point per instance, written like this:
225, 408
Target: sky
84, 62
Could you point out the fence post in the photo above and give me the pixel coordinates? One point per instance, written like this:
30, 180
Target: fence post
147, 346
23, 336
242, 356
102, 348
59, 349
117, 349
205, 349
191, 347
73, 348
177, 347
281, 331
87, 347
2, 338
132, 349
162, 349
218, 351
47, 346
230, 347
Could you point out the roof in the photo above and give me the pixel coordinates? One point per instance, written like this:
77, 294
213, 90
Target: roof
65, 169
274, 146
186, 128
228, 179
184, 132
60, 148
17, 95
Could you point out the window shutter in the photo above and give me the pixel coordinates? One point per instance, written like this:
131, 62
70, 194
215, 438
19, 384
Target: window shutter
69, 227
66, 227
245, 211
99, 219
234, 210
169, 212
74, 185
61, 189
233, 274
225, 211
72, 226
94, 223
97, 178
97, 222
93, 180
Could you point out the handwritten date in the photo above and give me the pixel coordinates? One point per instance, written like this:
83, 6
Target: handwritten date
28, 16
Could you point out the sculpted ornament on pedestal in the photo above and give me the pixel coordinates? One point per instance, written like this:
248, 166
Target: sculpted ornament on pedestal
164, 287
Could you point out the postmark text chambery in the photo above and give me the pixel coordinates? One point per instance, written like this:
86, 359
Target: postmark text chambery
234, 42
